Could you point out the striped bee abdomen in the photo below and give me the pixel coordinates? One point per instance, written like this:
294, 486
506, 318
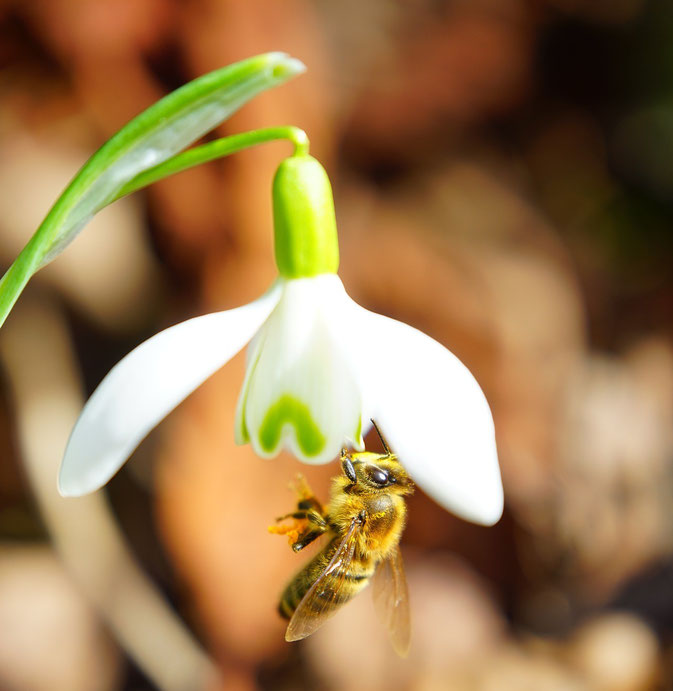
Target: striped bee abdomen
336, 588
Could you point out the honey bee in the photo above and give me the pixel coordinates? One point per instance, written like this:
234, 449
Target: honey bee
364, 521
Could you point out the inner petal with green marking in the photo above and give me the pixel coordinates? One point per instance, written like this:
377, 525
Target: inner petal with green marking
300, 392
288, 410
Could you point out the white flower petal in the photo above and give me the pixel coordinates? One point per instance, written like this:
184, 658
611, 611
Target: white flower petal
301, 392
147, 384
432, 413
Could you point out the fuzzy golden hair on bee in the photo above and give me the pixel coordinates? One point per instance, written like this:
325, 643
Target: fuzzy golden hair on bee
364, 521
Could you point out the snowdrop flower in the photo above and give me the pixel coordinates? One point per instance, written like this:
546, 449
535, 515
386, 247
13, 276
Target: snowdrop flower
319, 367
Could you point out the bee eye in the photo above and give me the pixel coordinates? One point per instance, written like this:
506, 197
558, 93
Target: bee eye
380, 477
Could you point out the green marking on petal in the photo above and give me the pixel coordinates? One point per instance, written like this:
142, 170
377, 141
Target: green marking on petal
358, 431
243, 436
290, 410
241, 432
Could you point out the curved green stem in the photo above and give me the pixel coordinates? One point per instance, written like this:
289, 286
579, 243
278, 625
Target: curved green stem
217, 149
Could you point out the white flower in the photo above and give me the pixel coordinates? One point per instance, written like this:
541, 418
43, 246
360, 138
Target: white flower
319, 367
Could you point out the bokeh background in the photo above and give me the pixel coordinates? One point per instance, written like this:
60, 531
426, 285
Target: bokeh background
504, 181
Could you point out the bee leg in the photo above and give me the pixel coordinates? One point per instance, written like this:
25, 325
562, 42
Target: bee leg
311, 515
305, 539
310, 504
306, 498
317, 525
313, 523
309, 521
293, 530
317, 520
294, 514
290, 531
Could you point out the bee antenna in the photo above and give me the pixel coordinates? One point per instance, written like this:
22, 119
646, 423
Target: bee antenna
383, 441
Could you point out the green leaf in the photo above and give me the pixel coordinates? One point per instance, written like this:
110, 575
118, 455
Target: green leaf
154, 136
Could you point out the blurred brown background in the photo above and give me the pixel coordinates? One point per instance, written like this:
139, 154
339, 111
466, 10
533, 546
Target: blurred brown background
503, 179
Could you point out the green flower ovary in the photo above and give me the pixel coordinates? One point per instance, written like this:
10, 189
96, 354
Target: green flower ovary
305, 231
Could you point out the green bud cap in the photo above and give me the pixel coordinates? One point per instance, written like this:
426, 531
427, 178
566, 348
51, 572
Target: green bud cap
303, 217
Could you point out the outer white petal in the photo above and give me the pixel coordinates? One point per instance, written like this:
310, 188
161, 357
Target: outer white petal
147, 384
299, 375
432, 413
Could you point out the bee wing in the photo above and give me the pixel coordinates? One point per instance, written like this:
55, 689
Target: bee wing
391, 601
321, 602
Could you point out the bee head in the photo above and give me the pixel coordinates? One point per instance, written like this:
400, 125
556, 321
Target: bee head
376, 472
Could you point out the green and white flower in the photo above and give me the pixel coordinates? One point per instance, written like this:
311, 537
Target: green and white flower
319, 368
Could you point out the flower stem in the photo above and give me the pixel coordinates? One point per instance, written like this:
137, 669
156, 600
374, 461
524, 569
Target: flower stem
217, 149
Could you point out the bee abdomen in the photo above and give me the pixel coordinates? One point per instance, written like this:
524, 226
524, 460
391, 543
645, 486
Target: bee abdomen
336, 589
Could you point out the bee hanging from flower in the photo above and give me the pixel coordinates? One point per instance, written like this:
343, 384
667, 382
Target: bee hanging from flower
364, 519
